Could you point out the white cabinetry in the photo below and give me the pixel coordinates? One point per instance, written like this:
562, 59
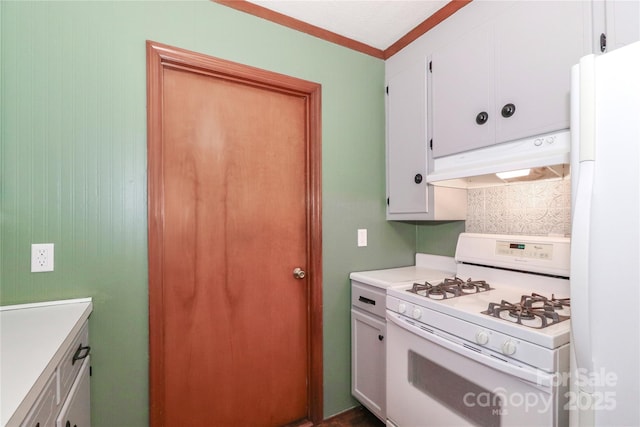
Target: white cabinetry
76, 411
408, 195
369, 362
368, 350
461, 86
43, 412
620, 20
508, 78
45, 364
65, 400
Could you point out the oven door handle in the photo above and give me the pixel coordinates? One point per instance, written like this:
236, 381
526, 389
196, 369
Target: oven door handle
541, 379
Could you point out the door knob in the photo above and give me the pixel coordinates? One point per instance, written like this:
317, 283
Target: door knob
299, 273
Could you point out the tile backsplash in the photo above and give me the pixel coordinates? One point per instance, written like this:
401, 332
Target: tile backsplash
534, 208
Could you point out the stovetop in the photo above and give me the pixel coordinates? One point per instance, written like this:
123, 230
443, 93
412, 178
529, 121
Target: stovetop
531, 310
482, 298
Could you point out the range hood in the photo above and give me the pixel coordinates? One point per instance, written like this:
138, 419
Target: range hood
545, 156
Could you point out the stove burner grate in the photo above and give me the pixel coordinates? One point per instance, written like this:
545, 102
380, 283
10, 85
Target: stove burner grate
536, 310
450, 288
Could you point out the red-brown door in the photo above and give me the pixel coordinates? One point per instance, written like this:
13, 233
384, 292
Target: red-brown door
233, 210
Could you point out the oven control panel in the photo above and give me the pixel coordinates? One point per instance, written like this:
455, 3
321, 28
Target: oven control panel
525, 250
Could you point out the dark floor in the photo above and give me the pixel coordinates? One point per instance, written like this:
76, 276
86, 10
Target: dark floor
356, 417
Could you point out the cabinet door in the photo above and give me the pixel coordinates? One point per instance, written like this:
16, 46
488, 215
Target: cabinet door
407, 140
69, 368
76, 410
536, 43
462, 88
368, 360
43, 413
622, 23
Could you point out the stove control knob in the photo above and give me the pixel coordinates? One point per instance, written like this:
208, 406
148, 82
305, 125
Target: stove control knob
509, 347
482, 337
402, 308
417, 313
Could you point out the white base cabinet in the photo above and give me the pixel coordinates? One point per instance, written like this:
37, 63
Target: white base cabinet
65, 400
76, 411
368, 347
44, 411
45, 364
369, 362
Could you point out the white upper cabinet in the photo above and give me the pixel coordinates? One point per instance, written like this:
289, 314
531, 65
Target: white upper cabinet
508, 78
536, 44
407, 155
409, 197
493, 72
462, 87
622, 23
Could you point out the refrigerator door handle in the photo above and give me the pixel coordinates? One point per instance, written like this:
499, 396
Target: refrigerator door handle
587, 108
580, 261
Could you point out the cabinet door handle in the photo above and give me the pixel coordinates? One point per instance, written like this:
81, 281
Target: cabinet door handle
418, 178
380, 337
508, 110
366, 300
81, 353
482, 118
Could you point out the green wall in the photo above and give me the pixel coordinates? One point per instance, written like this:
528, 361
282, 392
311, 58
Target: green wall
73, 159
438, 238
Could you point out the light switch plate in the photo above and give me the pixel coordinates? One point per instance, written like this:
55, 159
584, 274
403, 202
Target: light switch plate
362, 237
41, 257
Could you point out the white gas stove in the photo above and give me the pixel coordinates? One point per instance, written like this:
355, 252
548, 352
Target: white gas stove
503, 316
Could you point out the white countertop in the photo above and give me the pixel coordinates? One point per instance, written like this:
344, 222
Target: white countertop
33, 338
428, 267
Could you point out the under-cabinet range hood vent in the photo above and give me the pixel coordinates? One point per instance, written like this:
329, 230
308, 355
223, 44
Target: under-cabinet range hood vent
531, 159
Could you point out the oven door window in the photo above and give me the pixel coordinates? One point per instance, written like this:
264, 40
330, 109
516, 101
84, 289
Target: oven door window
453, 391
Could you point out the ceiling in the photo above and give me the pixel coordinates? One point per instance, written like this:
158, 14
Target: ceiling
377, 23
379, 28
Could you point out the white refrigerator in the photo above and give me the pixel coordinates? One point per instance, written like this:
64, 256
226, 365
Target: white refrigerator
605, 239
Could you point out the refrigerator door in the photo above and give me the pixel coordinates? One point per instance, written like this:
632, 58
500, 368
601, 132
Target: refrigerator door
605, 258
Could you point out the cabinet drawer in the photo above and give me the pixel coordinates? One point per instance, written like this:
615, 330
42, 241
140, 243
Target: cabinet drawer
368, 298
68, 368
43, 413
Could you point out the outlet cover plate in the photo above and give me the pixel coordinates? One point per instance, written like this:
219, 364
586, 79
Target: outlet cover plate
41, 257
362, 237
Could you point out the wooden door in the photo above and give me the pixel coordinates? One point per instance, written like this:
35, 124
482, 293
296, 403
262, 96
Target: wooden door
234, 198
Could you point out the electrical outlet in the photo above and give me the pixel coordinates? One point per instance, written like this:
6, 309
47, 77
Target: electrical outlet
41, 257
362, 237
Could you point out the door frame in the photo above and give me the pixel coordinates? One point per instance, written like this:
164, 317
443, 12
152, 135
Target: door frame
159, 57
